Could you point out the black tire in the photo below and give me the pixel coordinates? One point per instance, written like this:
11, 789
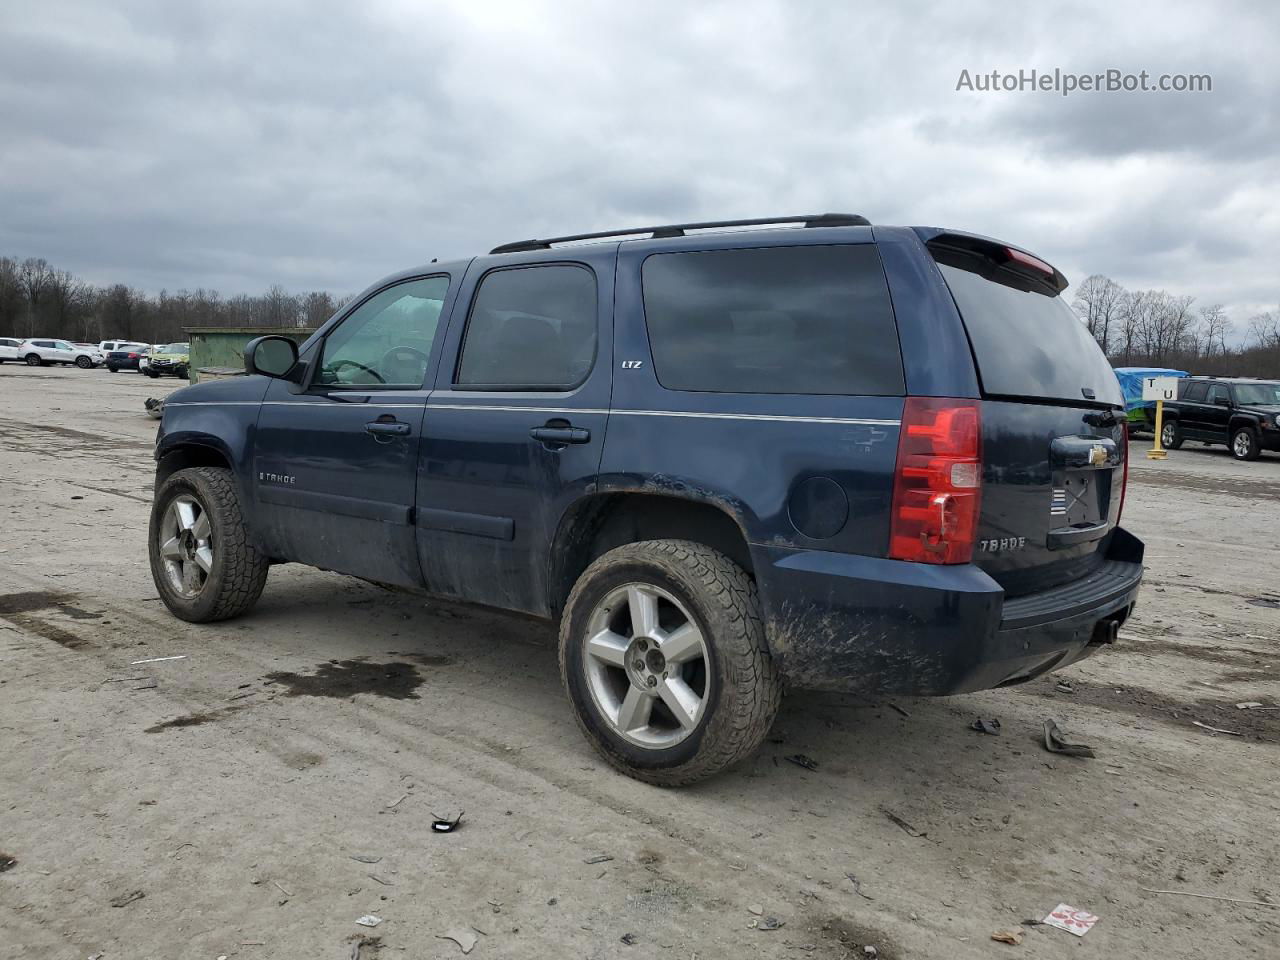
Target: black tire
153, 375
33, 360
180, 372
1244, 444
84, 363
1171, 434
745, 689
239, 571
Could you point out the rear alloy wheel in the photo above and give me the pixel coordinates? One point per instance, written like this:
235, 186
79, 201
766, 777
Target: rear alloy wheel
1244, 444
202, 560
663, 655
33, 360
1171, 435
84, 363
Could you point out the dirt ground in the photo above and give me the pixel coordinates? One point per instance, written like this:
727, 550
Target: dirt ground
256, 797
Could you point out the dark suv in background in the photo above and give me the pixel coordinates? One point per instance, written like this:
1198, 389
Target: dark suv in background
829, 455
1243, 415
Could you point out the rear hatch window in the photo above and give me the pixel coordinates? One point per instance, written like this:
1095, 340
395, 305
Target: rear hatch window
1026, 341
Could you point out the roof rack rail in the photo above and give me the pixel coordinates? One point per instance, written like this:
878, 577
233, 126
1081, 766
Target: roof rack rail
678, 229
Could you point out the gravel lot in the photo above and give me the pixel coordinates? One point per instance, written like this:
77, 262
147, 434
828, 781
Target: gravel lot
279, 782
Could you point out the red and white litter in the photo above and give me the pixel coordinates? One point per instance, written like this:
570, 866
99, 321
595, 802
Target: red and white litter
1071, 920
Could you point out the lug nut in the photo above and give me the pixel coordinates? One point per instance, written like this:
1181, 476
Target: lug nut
638, 664
651, 681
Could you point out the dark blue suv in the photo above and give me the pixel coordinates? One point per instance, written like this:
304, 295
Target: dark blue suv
803, 452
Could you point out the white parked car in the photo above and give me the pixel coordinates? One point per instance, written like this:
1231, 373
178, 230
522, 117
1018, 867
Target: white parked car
106, 346
9, 349
41, 352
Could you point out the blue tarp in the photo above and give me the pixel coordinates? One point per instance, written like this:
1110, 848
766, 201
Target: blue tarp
1131, 383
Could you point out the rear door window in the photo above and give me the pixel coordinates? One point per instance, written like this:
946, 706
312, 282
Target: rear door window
1195, 392
803, 320
530, 328
1027, 342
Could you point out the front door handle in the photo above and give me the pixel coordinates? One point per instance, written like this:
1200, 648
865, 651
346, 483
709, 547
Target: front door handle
561, 435
392, 428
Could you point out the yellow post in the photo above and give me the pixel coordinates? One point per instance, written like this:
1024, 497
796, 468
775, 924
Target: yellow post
1157, 452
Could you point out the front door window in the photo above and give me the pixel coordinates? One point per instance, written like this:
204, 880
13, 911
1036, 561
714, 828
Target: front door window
386, 342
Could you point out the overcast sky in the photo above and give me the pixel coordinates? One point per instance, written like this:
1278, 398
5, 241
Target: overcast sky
239, 144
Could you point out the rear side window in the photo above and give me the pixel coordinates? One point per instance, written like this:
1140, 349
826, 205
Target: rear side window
1195, 392
810, 319
531, 328
1026, 340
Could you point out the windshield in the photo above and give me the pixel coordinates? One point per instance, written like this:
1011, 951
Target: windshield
1261, 394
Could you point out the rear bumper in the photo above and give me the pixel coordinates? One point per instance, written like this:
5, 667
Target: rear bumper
876, 626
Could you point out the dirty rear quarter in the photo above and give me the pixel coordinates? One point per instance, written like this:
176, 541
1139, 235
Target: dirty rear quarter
809, 476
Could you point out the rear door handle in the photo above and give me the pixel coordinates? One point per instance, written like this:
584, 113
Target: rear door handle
563, 435
393, 428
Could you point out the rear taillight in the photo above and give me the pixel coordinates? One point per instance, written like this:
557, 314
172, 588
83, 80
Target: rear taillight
1124, 480
938, 483
133, 356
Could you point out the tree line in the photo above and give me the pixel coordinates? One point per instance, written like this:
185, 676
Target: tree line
37, 299
1153, 328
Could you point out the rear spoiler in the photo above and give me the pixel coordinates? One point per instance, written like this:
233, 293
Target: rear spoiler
993, 258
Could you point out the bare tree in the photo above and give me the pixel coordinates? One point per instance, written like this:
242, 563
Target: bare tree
1099, 301
1214, 327
33, 275
317, 307
10, 296
1264, 330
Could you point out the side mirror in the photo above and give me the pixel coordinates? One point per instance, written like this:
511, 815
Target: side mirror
1222, 401
271, 356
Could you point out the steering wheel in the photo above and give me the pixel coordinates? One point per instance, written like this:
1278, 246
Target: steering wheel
344, 362
396, 355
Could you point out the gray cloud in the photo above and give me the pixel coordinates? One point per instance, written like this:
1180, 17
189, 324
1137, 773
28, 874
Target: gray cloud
240, 144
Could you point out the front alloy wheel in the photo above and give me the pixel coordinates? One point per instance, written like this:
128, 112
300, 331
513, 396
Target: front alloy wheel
1244, 445
184, 538
203, 561
646, 665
